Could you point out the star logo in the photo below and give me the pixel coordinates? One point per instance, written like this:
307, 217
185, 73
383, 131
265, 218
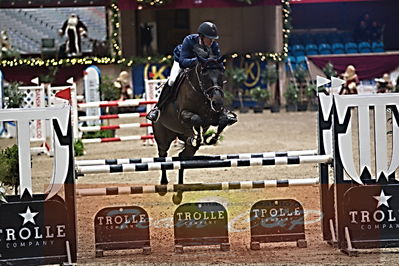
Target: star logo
382, 199
28, 216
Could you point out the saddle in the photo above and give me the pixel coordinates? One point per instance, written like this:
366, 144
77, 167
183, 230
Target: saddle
169, 94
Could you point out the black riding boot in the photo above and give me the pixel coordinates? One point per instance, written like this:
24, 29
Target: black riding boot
154, 113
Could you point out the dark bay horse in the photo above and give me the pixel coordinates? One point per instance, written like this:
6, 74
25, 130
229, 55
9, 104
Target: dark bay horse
198, 105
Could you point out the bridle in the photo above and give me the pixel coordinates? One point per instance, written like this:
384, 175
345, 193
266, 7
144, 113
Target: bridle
204, 91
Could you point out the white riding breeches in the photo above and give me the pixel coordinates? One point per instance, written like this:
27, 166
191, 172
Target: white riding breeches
174, 72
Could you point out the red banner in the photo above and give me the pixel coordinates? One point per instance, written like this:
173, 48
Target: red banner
326, 1
179, 4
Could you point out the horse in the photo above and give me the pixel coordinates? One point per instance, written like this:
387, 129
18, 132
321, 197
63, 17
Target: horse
199, 104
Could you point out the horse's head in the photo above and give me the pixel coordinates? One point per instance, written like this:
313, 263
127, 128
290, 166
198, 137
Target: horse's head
210, 77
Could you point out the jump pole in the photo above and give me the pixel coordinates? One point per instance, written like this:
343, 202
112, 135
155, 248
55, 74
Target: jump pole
140, 167
198, 157
224, 186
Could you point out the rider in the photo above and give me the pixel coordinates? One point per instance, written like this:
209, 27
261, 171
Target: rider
202, 44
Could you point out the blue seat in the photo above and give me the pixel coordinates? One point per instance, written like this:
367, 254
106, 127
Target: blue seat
301, 61
338, 48
364, 47
324, 48
311, 49
377, 47
351, 48
290, 60
298, 50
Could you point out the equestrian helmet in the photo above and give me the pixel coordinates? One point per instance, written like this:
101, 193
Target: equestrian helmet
209, 30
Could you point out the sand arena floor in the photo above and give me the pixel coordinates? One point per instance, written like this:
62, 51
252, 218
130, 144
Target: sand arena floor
253, 133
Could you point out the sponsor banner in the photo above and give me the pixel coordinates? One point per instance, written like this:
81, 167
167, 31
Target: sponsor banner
372, 213
91, 79
148, 71
253, 70
121, 227
33, 230
200, 223
277, 220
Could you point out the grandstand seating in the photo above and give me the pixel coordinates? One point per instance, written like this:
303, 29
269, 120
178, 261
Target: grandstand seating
324, 48
338, 48
298, 49
364, 47
351, 48
301, 61
27, 27
377, 47
311, 49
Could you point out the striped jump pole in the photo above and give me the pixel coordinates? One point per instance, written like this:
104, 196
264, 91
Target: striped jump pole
125, 103
200, 157
116, 139
112, 127
156, 166
109, 191
112, 116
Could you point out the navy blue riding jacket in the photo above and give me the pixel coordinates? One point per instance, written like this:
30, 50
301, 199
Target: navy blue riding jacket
184, 54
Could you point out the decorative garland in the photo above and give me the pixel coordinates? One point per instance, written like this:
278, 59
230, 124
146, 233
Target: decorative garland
153, 2
117, 53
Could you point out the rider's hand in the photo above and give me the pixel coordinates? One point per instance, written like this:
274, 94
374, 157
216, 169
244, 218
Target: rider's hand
200, 52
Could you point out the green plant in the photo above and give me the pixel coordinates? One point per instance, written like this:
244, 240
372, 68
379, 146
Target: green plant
108, 90
228, 98
269, 75
99, 134
291, 95
79, 148
9, 165
259, 94
311, 91
329, 71
13, 96
236, 76
10, 54
300, 74
211, 132
50, 76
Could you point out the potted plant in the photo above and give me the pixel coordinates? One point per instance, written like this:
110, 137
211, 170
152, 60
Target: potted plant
50, 76
312, 99
236, 77
300, 75
260, 96
269, 77
9, 175
291, 96
13, 96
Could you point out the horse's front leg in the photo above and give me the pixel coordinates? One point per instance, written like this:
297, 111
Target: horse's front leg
193, 125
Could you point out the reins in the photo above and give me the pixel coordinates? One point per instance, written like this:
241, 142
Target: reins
203, 91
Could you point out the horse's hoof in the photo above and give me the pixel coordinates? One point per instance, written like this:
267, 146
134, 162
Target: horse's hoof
193, 142
163, 184
177, 198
